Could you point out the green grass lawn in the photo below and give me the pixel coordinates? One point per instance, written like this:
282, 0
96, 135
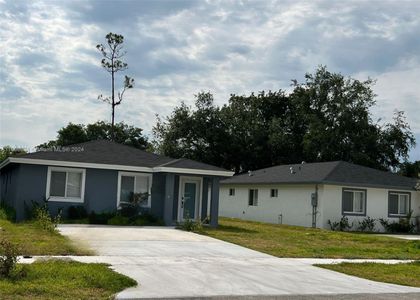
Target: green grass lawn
65, 280
293, 241
32, 240
403, 274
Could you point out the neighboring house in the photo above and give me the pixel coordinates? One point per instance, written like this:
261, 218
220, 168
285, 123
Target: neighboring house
310, 194
100, 175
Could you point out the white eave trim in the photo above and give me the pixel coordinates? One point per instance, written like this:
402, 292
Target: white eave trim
113, 167
62, 163
193, 171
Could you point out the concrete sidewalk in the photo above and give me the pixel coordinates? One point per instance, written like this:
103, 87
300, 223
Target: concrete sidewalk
169, 263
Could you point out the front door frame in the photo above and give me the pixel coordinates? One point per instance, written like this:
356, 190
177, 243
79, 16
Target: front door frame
182, 181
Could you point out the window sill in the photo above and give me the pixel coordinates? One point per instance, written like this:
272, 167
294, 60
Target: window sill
65, 199
346, 213
397, 216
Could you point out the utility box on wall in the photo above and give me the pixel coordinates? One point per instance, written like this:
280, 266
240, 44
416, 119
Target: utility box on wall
314, 200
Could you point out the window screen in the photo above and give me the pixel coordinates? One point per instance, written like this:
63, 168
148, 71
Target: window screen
74, 184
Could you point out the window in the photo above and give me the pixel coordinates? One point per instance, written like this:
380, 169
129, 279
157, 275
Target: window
274, 193
65, 184
134, 185
398, 203
253, 197
354, 202
231, 192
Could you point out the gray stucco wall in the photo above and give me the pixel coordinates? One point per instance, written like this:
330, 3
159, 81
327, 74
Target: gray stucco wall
158, 195
28, 183
8, 184
101, 190
25, 183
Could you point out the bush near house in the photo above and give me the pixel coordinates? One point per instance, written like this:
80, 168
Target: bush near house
7, 212
342, 225
117, 218
367, 225
403, 225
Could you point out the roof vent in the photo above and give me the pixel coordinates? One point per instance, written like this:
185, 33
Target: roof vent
303, 162
250, 173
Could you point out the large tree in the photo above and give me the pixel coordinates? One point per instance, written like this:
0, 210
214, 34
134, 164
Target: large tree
79, 133
112, 62
327, 117
338, 124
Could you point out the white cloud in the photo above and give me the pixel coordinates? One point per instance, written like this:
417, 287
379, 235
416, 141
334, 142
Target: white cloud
51, 75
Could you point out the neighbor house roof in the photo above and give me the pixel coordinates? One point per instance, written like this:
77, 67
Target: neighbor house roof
109, 155
335, 172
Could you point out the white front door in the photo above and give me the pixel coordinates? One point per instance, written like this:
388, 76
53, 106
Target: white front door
189, 202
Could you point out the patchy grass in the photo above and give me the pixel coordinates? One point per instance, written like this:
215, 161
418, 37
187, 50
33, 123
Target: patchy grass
402, 274
65, 280
294, 241
32, 240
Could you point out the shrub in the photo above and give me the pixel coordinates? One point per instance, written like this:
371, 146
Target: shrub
101, 218
367, 224
191, 225
76, 212
8, 258
44, 220
404, 225
128, 210
119, 220
342, 225
7, 212
146, 219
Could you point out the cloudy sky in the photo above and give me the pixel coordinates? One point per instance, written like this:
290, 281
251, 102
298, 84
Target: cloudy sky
50, 73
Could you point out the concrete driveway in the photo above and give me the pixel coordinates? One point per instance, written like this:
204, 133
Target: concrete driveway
169, 263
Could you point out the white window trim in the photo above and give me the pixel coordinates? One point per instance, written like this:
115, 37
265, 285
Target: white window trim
186, 179
354, 212
65, 199
134, 174
399, 214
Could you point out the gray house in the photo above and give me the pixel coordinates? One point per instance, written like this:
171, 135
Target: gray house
101, 175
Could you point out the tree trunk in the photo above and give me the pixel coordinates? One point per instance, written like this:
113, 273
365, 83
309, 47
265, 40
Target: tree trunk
113, 101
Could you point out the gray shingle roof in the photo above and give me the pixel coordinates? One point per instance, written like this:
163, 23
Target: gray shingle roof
335, 172
107, 152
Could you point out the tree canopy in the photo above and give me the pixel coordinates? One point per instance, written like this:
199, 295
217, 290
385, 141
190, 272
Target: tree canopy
326, 117
79, 133
410, 169
7, 151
